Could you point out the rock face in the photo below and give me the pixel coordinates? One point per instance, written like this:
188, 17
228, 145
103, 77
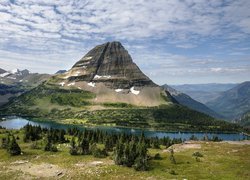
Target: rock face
111, 64
109, 71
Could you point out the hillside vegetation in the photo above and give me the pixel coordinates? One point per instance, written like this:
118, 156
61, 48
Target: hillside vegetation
52, 102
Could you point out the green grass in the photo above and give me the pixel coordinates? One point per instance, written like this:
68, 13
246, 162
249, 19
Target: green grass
219, 161
52, 102
118, 105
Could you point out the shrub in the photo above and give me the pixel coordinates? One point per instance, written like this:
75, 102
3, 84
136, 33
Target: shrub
172, 172
197, 154
157, 156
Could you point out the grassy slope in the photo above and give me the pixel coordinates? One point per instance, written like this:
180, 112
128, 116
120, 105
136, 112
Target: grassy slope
51, 102
220, 161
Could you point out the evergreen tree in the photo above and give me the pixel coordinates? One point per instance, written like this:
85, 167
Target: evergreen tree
48, 145
108, 145
13, 147
126, 155
73, 148
132, 153
141, 162
4, 143
84, 146
156, 143
118, 152
172, 158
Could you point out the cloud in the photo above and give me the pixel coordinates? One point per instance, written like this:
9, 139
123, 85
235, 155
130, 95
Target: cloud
216, 69
186, 46
33, 31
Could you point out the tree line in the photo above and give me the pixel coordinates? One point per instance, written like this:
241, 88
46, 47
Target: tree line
126, 149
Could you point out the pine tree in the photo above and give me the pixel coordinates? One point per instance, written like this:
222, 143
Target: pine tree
73, 148
126, 155
84, 146
132, 153
108, 144
13, 147
141, 162
172, 158
48, 145
4, 143
118, 152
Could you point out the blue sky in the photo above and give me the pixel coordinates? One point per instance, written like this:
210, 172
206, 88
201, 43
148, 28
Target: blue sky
172, 41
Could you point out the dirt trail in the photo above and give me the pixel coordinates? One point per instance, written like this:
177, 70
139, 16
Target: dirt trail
245, 142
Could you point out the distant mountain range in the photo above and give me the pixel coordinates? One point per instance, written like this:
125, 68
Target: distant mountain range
15, 82
203, 92
186, 100
2, 71
61, 71
232, 103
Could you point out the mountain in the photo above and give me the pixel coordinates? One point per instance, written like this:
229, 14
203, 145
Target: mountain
245, 119
203, 92
15, 82
234, 102
2, 71
61, 71
186, 100
106, 87
108, 71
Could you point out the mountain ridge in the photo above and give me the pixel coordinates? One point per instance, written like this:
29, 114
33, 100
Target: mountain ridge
186, 100
204, 92
234, 102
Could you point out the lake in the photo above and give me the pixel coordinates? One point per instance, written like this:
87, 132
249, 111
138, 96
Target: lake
18, 122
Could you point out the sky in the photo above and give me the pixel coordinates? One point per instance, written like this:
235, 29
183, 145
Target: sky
172, 41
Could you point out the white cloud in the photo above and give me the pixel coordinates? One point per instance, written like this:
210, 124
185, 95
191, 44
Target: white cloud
216, 69
33, 31
186, 46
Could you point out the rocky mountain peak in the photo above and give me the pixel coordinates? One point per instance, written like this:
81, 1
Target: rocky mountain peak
111, 64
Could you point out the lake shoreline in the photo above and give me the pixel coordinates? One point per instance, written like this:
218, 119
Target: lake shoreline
88, 125
114, 129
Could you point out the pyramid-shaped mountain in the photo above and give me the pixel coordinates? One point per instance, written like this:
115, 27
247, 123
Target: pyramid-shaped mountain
109, 71
110, 63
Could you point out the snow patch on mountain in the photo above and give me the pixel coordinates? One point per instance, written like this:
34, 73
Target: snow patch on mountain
4, 74
87, 58
91, 84
132, 90
118, 90
71, 84
62, 83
